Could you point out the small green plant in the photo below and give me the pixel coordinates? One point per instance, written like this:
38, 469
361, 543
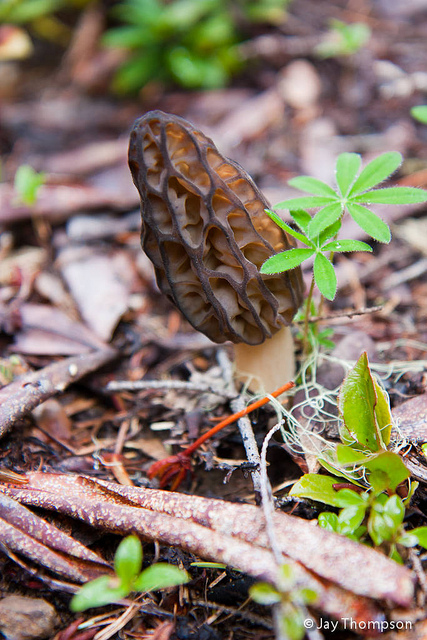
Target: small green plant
27, 184
191, 42
128, 577
291, 600
366, 473
318, 233
420, 113
343, 39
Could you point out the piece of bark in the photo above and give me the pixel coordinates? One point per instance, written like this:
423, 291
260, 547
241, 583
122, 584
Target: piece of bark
18, 398
23, 618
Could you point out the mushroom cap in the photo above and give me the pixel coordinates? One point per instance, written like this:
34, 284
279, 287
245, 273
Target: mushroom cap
205, 230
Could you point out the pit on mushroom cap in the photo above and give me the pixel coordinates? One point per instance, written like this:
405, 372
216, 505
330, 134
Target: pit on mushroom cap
205, 230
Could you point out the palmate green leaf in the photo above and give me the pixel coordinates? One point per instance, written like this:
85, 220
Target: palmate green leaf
370, 222
312, 185
282, 224
316, 487
346, 169
356, 402
346, 245
286, 260
309, 202
329, 232
324, 219
393, 195
324, 276
160, 576
302, 218
376, 171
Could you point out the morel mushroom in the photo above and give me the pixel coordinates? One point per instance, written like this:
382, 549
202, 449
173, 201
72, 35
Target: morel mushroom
205, 230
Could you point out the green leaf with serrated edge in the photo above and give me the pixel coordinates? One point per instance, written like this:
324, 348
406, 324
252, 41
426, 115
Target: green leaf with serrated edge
286, 260
324, 276
356, 402
393, 195
98, 593
310, 202
421, 535
280, 223
160, 576
346, 169
330, 232
420, 113
392, 464
348, 456
312, 185
328, 521
264, 593
302, 218
316, 487
346, 245
370, 222
395, 510
324, 219
376, 171
383, 413
128, 560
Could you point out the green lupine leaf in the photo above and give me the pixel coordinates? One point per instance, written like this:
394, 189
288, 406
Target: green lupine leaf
393, 195
347, 167
330, 232
346, 245
370, 222
316, 487
282, 224
324, 219
420, 113
302, 218
376, 171
313, 185
356, 402
309, 202
160, 576
286, 260
324, 276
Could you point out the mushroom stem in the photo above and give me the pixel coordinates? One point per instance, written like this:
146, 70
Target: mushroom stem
265, 367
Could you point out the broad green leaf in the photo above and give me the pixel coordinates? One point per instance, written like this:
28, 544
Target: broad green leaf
160, 576
376, 171
346, 169
420, 113
285, 260
383, 413
369, 222
336, 470
98, 593
316, 487
128, 560
324, 219
393, 195
324, 275
379, 527
346, 245
392, 464
395, 510
291, 624
348, 456
356, 402
421, 535
349, 498
313, 185
408, 540
328, 521
379, 481
302, 218
310, 202
351, 517
282, 224
264, 593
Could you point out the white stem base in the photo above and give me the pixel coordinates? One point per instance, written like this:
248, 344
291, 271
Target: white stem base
265, 367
